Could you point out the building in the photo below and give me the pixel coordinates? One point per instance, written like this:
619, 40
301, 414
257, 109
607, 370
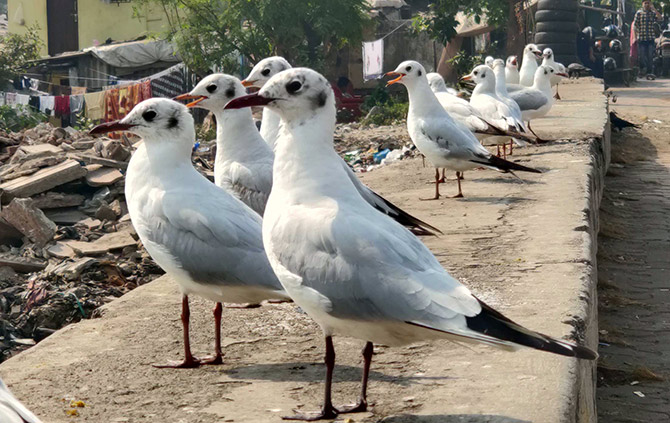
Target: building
72, 25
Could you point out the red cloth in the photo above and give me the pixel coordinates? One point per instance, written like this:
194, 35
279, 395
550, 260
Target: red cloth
145, 90
62, 105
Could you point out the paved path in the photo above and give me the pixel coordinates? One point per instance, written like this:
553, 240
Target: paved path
634, 262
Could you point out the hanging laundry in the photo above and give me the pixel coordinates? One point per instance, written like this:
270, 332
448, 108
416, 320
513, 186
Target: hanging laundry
111, 102
34, 102
169, 84
78, 90
373, 59
10, 99
22, 99
145, 90
76, 103
62, 106
47, 104
95, 105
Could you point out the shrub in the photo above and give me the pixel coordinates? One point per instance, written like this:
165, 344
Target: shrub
15, 119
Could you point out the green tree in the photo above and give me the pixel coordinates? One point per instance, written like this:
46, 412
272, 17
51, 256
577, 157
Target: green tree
15, 53
441, 22
213, 32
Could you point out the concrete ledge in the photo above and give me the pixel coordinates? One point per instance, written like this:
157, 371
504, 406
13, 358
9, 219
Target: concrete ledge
526, 248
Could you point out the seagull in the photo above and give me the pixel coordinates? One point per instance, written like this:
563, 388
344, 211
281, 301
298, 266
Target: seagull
260, 73
355, 272
444, 142
11, 409
536, 101
266, 69
530, 55
487, 102
548, 60
438, 85
511, 70
513, 111
207, 240
489, 61
243, 164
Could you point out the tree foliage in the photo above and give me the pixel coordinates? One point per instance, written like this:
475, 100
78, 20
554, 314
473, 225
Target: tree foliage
16, 50
441, 22
213, 32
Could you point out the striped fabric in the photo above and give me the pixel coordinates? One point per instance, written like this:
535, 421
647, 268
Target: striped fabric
644, 25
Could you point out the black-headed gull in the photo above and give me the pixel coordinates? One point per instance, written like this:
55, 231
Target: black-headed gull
266, 69
207, 240
548, 60
529, 65
438, 85
11, 409
512, 70
536, 101
355, 272
260, 73
444, 142
489, 61
243, 163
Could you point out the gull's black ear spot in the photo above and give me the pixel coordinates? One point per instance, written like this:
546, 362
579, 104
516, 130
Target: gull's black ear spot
320, 99
173, 122
149, 115
230, 92
420, 73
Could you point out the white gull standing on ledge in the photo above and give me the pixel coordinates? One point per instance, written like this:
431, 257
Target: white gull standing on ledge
243, 163
444, 142
512, 70
529, 65
355, 272
266, 69
207, 240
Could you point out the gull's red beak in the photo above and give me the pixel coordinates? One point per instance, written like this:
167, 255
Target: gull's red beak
197, 98
467, 77
248, 83
396, 80
104, 128
514, 61
183, 97
564, 75
537, 53
247, 101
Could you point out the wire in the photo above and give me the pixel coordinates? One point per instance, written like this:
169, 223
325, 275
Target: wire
396, 28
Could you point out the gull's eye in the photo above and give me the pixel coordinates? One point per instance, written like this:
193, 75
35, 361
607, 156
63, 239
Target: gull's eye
476, 72
408, 68
293, 87
149, 115
265, 72
211, 88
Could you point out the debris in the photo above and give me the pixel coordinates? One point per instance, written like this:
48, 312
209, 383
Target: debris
107, 242
61, 250
43, 180
53, 200
102, 161
105, 212
65, 216
29, 220
72, 270
22, 264
639, 394
103, 176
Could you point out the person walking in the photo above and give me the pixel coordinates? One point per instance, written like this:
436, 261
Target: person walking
643, 27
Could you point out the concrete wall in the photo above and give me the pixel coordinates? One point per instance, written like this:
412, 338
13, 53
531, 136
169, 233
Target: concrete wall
97, 21
22, 14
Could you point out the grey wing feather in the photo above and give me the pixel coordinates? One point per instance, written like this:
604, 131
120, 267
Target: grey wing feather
529, 99
369, 267
218, 241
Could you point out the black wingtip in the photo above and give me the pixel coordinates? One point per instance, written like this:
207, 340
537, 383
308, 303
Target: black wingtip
417, 226
505, 165
493, 323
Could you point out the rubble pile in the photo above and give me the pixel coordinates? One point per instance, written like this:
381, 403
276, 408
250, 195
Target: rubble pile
66, 242
366, 148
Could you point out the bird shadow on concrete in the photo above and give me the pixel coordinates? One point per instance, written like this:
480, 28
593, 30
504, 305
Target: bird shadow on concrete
509, 180
452, 418
315, 372
494, 200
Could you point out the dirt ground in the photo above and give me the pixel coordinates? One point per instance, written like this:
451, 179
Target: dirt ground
519, 245
634, 262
